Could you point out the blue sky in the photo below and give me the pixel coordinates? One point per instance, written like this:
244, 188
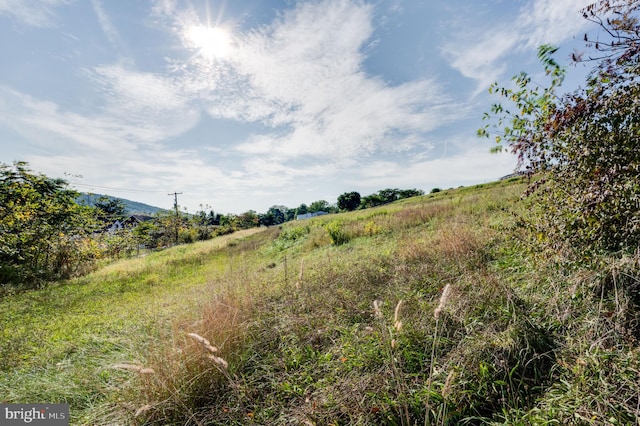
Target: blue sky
247, 104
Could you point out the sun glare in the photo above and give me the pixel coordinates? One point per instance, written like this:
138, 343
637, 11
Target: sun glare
212, 42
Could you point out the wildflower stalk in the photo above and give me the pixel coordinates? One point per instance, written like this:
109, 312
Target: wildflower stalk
436, 315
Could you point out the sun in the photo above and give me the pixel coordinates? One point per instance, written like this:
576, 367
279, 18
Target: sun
212, 42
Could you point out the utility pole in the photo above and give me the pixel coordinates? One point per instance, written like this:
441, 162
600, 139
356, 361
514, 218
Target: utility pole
175, 206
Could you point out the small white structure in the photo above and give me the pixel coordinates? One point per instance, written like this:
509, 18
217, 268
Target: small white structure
310, 215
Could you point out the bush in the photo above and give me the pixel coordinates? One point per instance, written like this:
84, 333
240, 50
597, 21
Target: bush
42, 228
337, 232
584, 149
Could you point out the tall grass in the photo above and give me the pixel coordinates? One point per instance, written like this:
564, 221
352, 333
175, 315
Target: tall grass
434, 310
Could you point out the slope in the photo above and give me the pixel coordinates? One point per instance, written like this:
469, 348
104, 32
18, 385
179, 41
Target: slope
131, 207
433, 310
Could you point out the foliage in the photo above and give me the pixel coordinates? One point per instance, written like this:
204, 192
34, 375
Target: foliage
302, 209
248, 219
340, 334
524, 127
585, 144
109, 209
349, 201
320, 205
42, 228
276, 215
386, 196
594, 189
337, 232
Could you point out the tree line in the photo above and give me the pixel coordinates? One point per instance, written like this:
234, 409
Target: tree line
47, 234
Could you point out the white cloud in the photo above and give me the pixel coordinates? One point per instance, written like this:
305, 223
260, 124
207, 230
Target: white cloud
36, 13
109, 30
150, 107
303, 75
44, 123
479, 52
469, 167
553, 21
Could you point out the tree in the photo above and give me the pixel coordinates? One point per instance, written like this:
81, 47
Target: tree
318, 206
213, 218
109, 209
386, 196
279, 214
302, 209
389, 195
42, 228
349, 201
584, 145
524, 127
372, 200
274, 216
408, 193
617, 19
248, 219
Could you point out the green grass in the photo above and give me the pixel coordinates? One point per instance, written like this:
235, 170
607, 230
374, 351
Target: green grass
58, 343
525, 337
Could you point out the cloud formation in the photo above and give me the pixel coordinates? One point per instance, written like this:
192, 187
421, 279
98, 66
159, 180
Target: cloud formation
304, 76
478, 52
35, 13
310, 108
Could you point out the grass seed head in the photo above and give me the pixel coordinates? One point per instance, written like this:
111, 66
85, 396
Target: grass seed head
142, 410
219, 361
396, 313
199, 338
205, 343
377, 304
448, 384
443, 301
136, 368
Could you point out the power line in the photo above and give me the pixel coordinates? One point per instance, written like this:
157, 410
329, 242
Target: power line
113, 188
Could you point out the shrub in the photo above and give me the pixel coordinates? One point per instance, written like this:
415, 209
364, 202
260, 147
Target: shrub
584, 147
337, 232
41, 227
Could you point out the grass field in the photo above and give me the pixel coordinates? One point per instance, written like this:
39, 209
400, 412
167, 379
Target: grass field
434, 310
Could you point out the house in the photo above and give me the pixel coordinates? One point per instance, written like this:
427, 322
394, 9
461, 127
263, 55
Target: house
136, 219
515, 174
131, 222
116, 226
310, 215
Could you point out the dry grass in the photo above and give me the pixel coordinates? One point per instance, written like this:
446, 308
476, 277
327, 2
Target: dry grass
429, 311
195, 364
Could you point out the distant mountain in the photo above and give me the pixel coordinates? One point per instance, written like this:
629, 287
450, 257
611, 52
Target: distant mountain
131, 207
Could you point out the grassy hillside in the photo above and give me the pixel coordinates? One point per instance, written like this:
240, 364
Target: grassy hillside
433, 310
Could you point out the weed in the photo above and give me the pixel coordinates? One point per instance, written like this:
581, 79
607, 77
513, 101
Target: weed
279, 328
337, 232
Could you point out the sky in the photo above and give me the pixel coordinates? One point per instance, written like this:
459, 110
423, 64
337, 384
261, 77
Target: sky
244, 104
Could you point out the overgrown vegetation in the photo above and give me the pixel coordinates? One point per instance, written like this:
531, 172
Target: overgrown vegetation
439, 309
431, 311
42, 229
582, 145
